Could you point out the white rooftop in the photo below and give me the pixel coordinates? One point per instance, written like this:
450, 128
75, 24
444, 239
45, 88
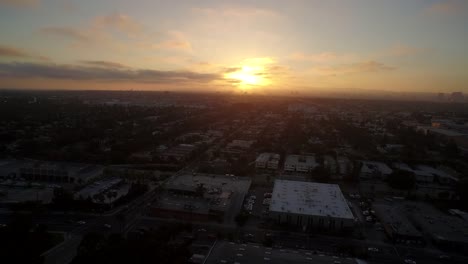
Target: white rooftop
309, 198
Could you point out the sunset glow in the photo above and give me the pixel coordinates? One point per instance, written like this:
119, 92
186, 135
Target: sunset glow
249, 76
275, 46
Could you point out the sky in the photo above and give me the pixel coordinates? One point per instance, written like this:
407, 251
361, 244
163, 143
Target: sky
261, 46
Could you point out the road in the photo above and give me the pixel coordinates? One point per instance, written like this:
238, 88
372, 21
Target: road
330, 245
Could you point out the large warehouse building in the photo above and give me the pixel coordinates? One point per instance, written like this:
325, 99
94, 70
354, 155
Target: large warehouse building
310, 205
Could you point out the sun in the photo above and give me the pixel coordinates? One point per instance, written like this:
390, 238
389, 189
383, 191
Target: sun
248, 76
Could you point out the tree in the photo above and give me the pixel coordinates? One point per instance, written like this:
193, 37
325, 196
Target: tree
62, 199
403, 180
241, 218
462, 191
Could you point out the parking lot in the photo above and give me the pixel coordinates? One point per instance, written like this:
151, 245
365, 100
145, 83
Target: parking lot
258, 209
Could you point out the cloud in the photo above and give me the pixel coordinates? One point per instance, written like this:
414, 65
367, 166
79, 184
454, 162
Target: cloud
99, 29
175, 45
446, 7
175, 40
323, 57
232, 12
12, 52
6, 51
360, 67
235, 20
20, 3
119, 22
67, 32
400, 50
108, 74
106, 64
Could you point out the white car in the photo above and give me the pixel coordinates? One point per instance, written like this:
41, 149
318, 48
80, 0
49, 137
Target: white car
81, 222
410, 261
373, 249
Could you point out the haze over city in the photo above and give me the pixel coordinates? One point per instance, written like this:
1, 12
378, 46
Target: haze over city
262, 47
227, 132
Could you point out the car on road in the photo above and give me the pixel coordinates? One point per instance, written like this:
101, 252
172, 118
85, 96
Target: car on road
81, 222
444, 257
410, 261
107, 226
373, 249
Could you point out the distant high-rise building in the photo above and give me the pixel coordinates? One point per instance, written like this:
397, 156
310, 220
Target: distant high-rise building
457, 97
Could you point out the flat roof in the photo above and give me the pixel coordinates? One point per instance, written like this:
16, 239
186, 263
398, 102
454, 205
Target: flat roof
300, 159
394, 216
309, 198
446, 132
225, 183
439, 225
265, 157
372, 166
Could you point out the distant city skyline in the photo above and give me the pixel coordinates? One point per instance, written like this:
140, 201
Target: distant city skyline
264, 47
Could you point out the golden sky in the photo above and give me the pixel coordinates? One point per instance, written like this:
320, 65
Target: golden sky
264, 46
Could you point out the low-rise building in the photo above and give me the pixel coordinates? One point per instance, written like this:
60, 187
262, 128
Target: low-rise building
267, 161
310, 205
300, 163
396, 224
445, 230
179, 153
374, 170
52, 172
202, 197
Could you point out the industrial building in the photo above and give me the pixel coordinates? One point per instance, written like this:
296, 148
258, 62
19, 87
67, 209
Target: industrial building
310, 205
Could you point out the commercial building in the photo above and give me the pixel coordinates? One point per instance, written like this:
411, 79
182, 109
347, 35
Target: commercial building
374, 170
179, 153
299, 163
310, 205
445, 230
339, 167
267, 161
202, 197
52, 172
396, 224
237, 148
430, 182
